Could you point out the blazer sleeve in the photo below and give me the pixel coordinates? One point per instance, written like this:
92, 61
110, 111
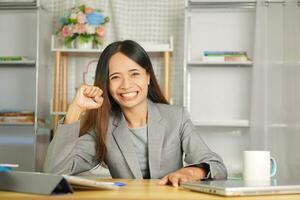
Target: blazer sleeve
197, 152
68, 153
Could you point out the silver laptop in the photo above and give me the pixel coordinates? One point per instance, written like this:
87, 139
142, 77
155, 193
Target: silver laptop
242, 188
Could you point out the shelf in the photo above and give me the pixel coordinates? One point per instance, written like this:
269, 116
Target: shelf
278, 125
16, 123
156, 47
223, 123
221, 4
24, 61
58, 113
18, 5
222, 1
148, 46
205, 63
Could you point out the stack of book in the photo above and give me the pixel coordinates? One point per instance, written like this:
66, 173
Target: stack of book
24, 117
224, 56
7, 167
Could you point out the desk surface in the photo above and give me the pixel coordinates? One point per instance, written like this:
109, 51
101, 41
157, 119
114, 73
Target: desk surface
138, 190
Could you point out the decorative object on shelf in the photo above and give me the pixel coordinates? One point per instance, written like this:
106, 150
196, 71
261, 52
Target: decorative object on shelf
81, 43
82, 27
88, 77
88, 74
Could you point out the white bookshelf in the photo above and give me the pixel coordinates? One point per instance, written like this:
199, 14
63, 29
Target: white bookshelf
215, 92
25, 33
218, 94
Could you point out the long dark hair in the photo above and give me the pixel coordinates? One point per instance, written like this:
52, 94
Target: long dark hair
97, 119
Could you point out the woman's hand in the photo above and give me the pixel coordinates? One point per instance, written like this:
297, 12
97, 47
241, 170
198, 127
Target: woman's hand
183, 175
87, 97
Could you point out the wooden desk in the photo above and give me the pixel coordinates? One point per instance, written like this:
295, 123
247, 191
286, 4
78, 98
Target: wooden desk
140, 190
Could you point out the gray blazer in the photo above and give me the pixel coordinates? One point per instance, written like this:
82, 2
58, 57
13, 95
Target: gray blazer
171, 135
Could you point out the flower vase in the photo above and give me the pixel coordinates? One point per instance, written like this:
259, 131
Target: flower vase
83, 44
68, 45
98, 46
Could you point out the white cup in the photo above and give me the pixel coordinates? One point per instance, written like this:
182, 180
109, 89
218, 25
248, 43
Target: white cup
258, 166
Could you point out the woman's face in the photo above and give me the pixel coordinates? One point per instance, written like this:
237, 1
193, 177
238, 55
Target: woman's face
128, 81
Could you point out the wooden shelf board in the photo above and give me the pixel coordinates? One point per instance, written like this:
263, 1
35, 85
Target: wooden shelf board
52, 112
17, 123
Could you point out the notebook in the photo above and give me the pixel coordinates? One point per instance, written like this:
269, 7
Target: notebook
43, 183
243, 188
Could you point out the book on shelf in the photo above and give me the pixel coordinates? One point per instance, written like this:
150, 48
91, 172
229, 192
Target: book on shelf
16, 60
7, 116
11, 58
224, 56
5, 167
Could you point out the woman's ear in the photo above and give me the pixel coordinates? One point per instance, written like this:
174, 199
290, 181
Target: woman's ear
148, 77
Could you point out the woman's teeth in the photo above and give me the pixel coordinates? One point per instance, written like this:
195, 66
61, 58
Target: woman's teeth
129, 94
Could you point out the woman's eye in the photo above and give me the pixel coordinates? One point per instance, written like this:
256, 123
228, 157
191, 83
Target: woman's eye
114, 77
135, 74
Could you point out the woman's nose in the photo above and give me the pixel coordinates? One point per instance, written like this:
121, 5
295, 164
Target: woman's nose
126, 83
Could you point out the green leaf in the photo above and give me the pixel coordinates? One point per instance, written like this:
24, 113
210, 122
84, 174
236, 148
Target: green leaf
82, 8
98, 41
84, 38
106, 20
72, 21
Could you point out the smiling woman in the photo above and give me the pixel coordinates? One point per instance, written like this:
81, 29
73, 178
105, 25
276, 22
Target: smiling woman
128, 82
124, 122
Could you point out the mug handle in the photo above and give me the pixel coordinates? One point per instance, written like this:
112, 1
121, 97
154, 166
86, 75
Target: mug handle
273, 166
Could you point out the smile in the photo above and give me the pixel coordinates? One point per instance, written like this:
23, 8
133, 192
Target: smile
129, 95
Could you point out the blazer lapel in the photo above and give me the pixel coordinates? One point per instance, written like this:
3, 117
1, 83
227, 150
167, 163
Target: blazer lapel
156, 132
123, 138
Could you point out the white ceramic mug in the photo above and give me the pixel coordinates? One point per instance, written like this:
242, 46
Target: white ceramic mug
258, 166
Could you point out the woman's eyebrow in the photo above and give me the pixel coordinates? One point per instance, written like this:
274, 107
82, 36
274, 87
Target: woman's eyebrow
115, 73
131, 70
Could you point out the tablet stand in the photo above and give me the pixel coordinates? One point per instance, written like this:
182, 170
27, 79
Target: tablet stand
32, 182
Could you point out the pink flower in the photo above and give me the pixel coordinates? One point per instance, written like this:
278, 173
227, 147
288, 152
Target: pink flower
81, 18
88, 10
79, 28
66, 31
100, 31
